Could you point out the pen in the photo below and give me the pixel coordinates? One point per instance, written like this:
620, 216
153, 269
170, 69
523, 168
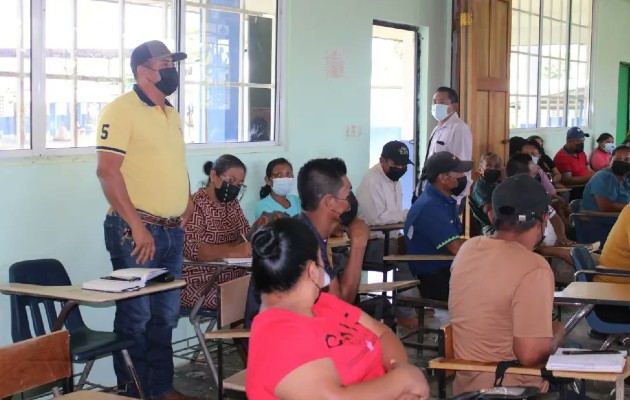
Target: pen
244, 238
588, 352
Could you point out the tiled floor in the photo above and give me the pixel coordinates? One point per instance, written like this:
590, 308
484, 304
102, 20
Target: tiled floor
194, 378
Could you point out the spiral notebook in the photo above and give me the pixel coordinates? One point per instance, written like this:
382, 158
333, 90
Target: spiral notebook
587, 362
238, 261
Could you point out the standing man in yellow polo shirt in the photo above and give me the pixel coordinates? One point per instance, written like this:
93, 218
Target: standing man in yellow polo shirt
141, 166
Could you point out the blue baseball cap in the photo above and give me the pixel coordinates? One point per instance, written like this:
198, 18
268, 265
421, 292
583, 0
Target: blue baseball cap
576, 133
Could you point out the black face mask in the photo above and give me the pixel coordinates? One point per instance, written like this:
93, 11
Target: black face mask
579, 147
395, 173
227, 192
491, 176
461, 186
169, 81
347, 217
620, 168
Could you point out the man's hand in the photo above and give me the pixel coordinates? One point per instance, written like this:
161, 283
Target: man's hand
185, 217
559, 334
564, 242
358, 232
144, 244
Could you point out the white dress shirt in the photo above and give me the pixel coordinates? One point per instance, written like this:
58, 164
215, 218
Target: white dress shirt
380, 198
455, 137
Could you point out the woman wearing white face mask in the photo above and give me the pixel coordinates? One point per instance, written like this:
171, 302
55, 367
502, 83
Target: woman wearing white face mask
275, 195
600, 158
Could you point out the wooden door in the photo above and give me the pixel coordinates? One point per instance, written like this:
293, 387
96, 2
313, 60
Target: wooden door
481, 71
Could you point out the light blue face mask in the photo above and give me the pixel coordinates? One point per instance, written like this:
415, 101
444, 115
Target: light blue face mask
535, 160
282, 186
609, 147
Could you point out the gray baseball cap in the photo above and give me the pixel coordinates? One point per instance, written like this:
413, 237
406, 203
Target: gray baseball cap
152, 49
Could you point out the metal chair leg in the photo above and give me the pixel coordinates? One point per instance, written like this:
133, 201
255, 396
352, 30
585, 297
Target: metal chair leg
197, 352
206, 353
133, 373
84, 375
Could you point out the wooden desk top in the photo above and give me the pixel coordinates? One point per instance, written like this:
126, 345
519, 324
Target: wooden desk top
342, 241
218, 264
419, 257
388, 227
75, 292
92, 395
611, 214
387, 286
604, 293
478, 366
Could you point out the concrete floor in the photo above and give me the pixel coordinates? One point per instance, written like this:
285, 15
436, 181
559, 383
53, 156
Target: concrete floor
194, 379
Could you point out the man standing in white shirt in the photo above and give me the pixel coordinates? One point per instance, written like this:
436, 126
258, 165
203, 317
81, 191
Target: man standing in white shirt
451, 134
380, 203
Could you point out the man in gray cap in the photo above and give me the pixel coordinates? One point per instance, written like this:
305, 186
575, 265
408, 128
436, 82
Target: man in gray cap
142, 169
501, 297
433, 225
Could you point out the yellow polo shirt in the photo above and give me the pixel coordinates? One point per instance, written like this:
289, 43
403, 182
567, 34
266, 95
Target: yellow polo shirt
152, 144
616, 253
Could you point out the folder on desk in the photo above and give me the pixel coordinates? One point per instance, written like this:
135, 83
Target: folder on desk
125, 279
586, 362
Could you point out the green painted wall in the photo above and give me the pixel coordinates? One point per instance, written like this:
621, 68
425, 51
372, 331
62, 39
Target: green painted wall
608, 50
53, 207
622, 102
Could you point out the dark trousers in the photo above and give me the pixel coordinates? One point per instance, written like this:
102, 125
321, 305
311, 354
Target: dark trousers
613, 314
435, 286
149, 320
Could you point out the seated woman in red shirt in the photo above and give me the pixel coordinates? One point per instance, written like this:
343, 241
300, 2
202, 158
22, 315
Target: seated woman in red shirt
216, 228
305, 341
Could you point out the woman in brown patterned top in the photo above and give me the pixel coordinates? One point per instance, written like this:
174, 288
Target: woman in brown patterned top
216, 228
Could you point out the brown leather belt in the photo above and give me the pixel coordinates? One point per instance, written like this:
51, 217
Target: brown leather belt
171, 222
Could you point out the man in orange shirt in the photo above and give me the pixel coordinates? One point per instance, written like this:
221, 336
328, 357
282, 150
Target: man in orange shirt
501, 292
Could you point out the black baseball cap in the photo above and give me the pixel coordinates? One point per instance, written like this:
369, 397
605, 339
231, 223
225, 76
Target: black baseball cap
442, 162
152, 49
520, 198
576, 133
396, 151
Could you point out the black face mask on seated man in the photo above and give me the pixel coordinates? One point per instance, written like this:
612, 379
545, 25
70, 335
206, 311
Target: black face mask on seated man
620, 168
462, 181
347, 217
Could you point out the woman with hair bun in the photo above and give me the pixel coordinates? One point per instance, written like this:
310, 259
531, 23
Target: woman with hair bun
275, 194
216, 227
306, 341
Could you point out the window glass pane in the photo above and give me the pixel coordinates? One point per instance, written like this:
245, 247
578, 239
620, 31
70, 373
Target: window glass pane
230, 73
15, 78
85, 68
259, 49
260, 112
263, 6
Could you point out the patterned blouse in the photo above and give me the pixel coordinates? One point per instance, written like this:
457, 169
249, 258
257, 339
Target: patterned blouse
210, 223
213, 223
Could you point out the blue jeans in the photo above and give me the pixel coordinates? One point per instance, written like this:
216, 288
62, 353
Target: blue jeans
148, 320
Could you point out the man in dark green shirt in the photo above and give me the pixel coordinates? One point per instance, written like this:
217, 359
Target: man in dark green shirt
490, 173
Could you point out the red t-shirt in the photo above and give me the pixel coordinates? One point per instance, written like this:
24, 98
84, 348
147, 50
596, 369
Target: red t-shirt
282, 341
573, 163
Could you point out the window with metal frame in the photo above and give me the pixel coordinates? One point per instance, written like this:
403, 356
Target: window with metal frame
62, 61
550, 63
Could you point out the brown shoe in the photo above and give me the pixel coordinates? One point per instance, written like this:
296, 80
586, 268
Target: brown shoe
174, 395
407, 322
